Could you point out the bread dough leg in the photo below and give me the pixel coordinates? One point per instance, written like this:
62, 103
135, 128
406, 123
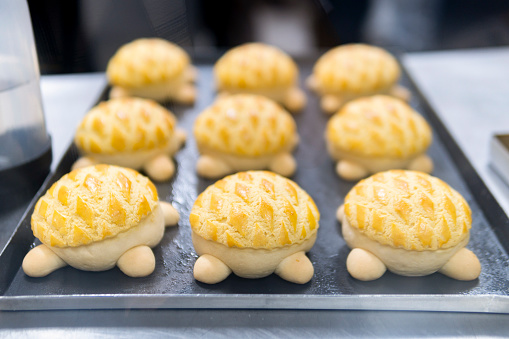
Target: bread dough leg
83, 162
41, 261
186, 94
118, 92
191, 74
160, 168
283, 164
296, 268
137, 262
171, 215
181, 136
311, 83
212, 168
364, 265
464, 265
401, 92
330, 103
222, 95
210, 270
295, 100
350, 171
422, 163
340, 213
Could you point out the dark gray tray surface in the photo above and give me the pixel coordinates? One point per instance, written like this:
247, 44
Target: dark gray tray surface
172, 284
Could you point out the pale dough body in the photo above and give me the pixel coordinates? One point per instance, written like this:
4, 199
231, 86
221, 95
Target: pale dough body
132, 246
331, 102
399, 260
103, 255
136, 160
180, 89
250, 262
362, 166
139, 160
220, 164
293, 98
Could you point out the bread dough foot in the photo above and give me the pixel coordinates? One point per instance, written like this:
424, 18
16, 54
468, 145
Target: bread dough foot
137, 262
295, 100
210, 270
181, 136
83, 162
41, 261
296, 268
191, 74
118, 92
350, 171
171, 215
401, 92
422, 163
222, 95
330, 104
283, 164
212, 168
340, 213
311, 83
464, 265
186, 94
160, 168
364, 265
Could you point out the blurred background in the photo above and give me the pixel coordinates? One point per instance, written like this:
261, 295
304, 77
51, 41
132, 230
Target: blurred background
80, 36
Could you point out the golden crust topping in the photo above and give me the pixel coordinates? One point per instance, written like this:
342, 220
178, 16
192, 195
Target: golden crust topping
146, 61
356, 69
239, 211
379, 126
255, 66
92, 204
125, 125
408, 209
245, 125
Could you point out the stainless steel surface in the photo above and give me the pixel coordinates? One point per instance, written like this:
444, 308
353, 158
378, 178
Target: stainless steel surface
66, 99
250, 324
442, 303
469, 90
499, 155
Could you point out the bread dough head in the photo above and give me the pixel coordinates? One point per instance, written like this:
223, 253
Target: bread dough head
92, 204
378, 126
146, 61
354, 69
254, 209
245, 125
125, 125
409, 210
255, 66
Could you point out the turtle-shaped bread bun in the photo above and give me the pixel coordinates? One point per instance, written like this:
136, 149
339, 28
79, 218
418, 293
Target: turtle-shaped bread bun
245, 132
410, 223
375, 134
152, 68
254, 223
355, 70
97, 217
130, 132
260, 69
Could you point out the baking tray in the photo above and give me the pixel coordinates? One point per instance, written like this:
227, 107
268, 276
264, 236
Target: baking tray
172, 284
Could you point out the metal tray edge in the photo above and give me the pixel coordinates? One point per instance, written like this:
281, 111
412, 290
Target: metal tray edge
439, 303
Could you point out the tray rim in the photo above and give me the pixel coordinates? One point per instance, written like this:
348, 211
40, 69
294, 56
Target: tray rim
484, 303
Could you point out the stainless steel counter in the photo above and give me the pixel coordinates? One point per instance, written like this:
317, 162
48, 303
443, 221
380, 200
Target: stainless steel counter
449, 90
470, 92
